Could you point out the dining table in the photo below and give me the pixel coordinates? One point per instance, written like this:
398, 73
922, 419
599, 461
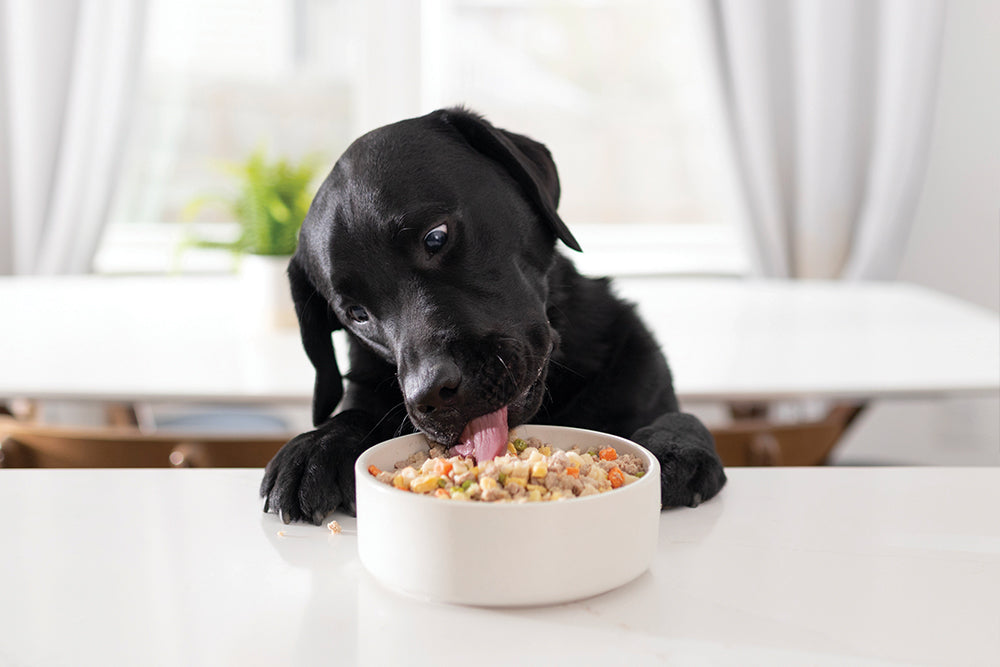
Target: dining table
197, 339
786, 566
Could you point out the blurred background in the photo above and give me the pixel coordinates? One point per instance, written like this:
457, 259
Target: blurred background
787, 140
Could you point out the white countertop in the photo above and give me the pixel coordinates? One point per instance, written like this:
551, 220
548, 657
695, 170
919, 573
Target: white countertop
820, 566
190, 339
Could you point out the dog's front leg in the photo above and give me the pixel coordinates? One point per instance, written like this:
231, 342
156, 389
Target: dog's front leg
690, 469
313, 473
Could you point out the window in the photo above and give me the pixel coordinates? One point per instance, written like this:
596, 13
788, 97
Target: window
224, 77
619, 90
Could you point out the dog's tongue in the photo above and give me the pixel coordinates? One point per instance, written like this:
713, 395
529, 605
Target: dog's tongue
484, 437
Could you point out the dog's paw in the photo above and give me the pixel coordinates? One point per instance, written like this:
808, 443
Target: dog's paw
690, 470
313, 474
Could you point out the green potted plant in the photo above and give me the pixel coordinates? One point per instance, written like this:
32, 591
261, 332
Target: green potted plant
269, 205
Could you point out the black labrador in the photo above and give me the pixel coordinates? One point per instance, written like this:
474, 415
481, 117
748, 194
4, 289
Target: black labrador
432, 243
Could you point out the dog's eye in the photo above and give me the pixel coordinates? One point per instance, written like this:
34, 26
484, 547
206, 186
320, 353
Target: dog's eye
357, 313
436, 238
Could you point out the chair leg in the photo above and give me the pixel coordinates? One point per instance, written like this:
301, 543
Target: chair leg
757, 441
120, 414
13, 454
20, 408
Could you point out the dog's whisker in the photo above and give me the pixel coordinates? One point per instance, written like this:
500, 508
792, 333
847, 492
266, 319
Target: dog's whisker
402, 426
553, 362
527, 354
509, 373
386, 381
566, 368
385, 418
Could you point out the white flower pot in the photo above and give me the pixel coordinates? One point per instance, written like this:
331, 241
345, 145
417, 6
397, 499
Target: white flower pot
267, 293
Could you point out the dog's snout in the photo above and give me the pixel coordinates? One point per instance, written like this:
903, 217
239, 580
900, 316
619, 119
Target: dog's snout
436, 386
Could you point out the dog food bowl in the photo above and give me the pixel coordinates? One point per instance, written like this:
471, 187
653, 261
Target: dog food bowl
507, 554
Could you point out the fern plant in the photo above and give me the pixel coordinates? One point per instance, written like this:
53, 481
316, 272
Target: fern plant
269, 206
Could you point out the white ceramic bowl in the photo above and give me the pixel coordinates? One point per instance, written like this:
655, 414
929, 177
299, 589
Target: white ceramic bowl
507, 554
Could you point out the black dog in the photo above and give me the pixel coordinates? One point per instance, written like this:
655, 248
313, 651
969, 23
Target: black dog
432, 242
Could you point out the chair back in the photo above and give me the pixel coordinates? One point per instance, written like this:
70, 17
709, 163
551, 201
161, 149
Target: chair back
26, 444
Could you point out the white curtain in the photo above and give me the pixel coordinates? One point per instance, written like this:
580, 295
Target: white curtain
67, 74
830, 106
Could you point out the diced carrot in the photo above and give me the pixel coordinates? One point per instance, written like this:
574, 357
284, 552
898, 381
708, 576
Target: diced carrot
608, 454
573, 472
442, 467
616, 477
373, 471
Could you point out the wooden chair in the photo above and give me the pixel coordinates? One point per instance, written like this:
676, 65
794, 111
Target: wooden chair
25, 444
755, 441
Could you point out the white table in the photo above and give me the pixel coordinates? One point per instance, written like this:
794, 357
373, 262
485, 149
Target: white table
183, 339
821, 566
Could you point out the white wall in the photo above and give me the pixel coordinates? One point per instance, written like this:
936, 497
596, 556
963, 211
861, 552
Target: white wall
955, 244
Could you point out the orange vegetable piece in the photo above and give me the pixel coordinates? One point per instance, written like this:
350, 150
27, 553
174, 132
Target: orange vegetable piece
442, 468
608, 454
616, 477
373, 471
573, 472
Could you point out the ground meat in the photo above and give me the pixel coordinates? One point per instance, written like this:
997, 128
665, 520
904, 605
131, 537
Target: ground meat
495, 494
558, 462
630, 464
515, 490
462, 477
416, 459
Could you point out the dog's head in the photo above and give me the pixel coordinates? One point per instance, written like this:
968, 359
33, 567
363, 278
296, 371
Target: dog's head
430, 242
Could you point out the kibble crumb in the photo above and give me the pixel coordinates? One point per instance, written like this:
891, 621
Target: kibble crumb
334, 527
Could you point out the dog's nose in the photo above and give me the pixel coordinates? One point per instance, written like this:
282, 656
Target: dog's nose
434, 387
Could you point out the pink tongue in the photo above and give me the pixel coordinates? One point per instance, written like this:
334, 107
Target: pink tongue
485, 437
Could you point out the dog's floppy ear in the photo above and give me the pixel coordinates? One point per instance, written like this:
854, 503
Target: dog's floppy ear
528, 161
316, 324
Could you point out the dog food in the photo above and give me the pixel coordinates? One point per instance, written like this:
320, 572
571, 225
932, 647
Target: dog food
529, 471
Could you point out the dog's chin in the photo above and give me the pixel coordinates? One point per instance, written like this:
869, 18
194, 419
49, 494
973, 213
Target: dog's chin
447, 426
444, 434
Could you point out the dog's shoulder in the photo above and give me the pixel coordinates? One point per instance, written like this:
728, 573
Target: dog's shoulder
586, 311
609, 372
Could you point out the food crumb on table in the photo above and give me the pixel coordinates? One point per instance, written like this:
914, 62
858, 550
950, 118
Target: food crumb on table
334, 527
